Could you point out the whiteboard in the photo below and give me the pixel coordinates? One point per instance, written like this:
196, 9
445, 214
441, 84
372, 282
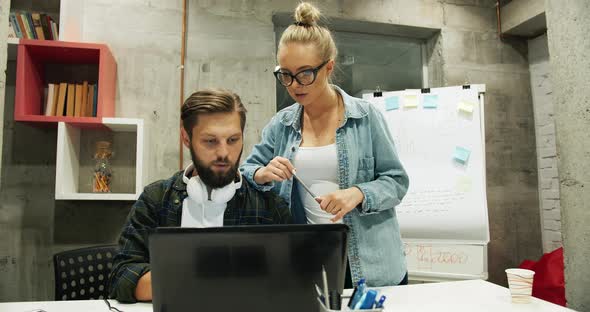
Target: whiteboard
440, 139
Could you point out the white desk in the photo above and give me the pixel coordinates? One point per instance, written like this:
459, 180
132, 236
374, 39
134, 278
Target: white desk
468, 296
475, 295
73, 306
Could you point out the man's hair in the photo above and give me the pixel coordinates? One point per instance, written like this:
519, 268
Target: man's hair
210, 101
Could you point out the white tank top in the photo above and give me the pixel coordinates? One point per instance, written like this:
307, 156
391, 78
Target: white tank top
318, 168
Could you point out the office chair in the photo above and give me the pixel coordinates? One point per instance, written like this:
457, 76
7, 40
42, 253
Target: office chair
83, 273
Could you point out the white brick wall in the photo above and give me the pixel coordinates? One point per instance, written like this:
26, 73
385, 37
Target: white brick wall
546, 148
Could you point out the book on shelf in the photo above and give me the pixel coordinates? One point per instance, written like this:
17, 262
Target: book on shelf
54, 32
45, 25
24, 23
33, 25
61, 99
71, 99
11, 33
36, 18
78, 101
55, 99
49, 111
90, 100
21, 25
84, 95
29, 21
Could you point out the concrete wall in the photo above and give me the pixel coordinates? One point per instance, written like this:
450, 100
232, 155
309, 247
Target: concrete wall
569, 44
541, 88
4, 10
473, 53
231, 44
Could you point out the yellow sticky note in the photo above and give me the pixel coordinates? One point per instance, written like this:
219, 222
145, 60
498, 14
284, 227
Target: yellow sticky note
463, 184
410, 101
466, 107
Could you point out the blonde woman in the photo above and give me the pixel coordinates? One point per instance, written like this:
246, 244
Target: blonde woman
337, 145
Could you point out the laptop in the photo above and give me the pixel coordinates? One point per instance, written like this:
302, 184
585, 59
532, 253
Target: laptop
245, 268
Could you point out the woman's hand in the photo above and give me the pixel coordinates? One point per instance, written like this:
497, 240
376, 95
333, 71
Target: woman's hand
341, 202
278, 169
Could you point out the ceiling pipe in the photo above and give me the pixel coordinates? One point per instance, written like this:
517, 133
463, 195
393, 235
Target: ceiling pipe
499, 18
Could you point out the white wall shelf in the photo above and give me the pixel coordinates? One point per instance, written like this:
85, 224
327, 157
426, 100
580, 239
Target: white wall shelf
74, 163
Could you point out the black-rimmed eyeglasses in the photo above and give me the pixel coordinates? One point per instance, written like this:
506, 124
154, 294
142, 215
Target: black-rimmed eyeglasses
304, 77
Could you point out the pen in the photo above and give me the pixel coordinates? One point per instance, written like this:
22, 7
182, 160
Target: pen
303, 184
358, 292
326, 295
319, 291
379, 304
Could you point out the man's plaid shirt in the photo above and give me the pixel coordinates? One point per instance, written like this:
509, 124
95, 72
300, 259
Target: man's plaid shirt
160, 205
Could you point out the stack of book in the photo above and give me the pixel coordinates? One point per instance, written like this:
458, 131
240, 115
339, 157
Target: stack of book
28, 25
71, 99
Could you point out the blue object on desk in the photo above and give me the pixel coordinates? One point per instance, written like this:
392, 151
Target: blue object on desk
358, 292
379, 303
367, 301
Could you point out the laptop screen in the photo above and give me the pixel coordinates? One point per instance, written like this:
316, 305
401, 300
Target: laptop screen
245, 268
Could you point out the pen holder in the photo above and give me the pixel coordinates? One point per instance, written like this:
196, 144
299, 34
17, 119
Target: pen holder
323, 308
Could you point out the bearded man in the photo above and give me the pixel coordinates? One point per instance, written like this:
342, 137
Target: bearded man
208, 193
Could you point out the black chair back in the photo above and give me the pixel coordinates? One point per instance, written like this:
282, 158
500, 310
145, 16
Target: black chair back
83, 273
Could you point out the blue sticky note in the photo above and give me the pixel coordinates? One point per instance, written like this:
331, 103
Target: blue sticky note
430, 101
461, 154
392, 103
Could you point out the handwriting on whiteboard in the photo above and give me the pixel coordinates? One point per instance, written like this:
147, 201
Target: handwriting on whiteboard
430, 201
426, 255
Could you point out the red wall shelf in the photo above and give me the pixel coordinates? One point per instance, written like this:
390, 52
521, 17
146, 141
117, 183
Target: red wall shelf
34, 56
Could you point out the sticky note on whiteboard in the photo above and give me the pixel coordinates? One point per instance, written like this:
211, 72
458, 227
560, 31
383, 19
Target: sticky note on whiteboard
461, 155
465, 107
430, 101
391, 103
463, 184
410, 101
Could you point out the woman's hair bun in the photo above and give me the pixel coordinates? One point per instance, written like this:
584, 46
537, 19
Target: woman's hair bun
306, 14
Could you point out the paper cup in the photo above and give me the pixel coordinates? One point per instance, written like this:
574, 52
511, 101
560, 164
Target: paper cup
520, 282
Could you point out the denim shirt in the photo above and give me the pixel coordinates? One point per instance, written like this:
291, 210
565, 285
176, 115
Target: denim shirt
368, 160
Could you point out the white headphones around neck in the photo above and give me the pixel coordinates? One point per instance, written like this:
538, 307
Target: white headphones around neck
197, 190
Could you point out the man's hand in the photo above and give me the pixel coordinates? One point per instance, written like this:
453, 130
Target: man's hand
143, 291
341, 202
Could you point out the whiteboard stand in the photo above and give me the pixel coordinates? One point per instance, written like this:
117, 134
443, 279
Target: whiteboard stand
443, 217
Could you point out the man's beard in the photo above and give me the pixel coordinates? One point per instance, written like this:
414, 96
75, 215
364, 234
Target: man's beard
211, 178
